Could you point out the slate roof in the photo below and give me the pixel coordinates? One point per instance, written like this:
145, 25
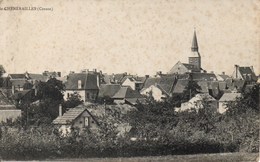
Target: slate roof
180, 86
69, 116
245, 72
108, 90
88, 81
229, 97
17, 76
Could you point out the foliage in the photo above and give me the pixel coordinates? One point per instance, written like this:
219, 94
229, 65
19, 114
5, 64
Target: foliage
72, 101
52, 89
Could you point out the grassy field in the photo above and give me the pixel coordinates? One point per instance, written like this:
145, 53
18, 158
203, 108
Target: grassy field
222, 157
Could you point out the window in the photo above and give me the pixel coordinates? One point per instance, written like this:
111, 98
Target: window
86, 121
68, 95
79, 84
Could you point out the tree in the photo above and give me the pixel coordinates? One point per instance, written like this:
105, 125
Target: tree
190, 90
52, 89
72, 101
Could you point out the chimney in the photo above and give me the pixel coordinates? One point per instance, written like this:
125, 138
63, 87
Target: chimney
252, 68
72, 72
95, 70
236, 71
60, 110
98, 84
59, 74
146, 76
13, 89
159, 73
223, 73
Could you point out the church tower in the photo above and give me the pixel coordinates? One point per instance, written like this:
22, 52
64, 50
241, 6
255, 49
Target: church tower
194, 57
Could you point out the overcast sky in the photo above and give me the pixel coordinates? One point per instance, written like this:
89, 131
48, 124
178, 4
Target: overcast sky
129, 35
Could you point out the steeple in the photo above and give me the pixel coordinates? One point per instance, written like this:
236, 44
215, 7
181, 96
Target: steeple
194, 46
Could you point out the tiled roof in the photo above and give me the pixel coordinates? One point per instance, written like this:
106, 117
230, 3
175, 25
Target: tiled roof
203, 76
180, 86
222, 85
5, 103
17, 76
38, 77
88, 81
167, 84
127, 92
69, 116
19, 82
151, 81
108, 90
229, 97
224, 76
190, 66
2, 69
204, 86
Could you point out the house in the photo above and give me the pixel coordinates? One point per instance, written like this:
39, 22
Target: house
183, 68
197, 103
8, 111
33, 78
244, 73
76, 118
180, 86
227, 97
85, 84
107, 91
135, 82
222, 77
127, 95
194, 64
159, 87
51, 74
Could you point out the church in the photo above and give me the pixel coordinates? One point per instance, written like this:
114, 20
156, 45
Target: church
194, 64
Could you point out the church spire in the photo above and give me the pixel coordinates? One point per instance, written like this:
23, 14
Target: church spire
194, 46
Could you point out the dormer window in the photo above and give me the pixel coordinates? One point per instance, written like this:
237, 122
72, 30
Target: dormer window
79, 84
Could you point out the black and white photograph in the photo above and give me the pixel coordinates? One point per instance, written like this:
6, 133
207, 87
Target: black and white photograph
130, 80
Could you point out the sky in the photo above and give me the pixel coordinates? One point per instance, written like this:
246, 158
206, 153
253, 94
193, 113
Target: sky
138, 37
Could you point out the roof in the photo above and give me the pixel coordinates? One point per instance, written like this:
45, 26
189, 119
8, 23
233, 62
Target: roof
2, 69
151, 81
203, 76
224, 76
88, 81
21, 94
204, 86
167, 83
69, 116
245, 72
194, 45
127, 92
17, 76
180, 86
108, 90
190, 66
222, 85
5, 103
229, 97
19, 82
38, 77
